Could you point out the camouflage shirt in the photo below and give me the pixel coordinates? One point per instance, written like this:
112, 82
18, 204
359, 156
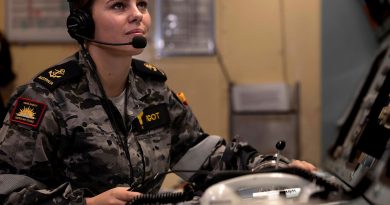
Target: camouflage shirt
63, 135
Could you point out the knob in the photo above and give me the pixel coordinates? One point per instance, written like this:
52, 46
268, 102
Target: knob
280, 145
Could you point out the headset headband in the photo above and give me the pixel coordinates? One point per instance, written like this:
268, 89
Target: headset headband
71, 5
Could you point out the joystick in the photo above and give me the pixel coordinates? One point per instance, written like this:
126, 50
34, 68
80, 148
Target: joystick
273, 161
280, 145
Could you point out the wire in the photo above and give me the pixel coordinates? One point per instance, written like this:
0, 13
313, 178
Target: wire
351, 187
283, 41
224, 174
164, 198
107, 108
222, 65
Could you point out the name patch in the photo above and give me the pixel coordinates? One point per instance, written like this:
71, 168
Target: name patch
153, 117
28, 112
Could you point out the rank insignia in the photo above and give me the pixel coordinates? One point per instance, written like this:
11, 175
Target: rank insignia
28, 112
153, 68
146, 70
59, 74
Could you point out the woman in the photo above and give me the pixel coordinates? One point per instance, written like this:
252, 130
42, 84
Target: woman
100, 123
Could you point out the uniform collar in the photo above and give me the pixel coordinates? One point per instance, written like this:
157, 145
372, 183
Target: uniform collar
137, 89
91, 81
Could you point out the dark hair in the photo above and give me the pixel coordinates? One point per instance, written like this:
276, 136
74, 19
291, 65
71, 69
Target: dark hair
83, 4
6, 73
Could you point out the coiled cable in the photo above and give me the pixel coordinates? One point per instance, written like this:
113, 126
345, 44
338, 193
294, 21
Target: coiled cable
164, 198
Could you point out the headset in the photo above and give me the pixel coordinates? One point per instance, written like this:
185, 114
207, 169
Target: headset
80, 23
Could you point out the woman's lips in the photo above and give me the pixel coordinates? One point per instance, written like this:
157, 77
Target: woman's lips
136, 32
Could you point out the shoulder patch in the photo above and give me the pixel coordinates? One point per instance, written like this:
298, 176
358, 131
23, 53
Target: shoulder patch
182, 98
28, 112
59, 74
145, 69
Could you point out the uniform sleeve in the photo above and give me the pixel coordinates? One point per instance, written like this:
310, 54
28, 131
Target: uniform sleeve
193, 146
29, 149
186, 129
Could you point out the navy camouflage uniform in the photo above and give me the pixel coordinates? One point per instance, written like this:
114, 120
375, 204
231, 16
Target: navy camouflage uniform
58, 145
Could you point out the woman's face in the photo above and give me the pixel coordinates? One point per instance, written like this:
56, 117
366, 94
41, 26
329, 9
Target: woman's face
118, 21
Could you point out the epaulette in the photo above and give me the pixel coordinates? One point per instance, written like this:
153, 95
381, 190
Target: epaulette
144, 69
60, 74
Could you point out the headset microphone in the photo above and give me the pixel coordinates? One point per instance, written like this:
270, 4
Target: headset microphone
137, 42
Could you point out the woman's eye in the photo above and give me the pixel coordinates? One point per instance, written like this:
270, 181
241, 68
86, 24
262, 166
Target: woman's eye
118, 6
142, 5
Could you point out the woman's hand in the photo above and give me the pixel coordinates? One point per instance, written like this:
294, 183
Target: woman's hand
115, 196
303, 165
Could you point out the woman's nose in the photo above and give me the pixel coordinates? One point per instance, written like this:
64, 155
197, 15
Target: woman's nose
135, 15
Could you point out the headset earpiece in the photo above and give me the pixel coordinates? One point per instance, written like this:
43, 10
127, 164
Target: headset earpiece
80, 23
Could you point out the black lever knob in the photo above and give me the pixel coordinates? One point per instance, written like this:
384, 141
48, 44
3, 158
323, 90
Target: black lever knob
280, 145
